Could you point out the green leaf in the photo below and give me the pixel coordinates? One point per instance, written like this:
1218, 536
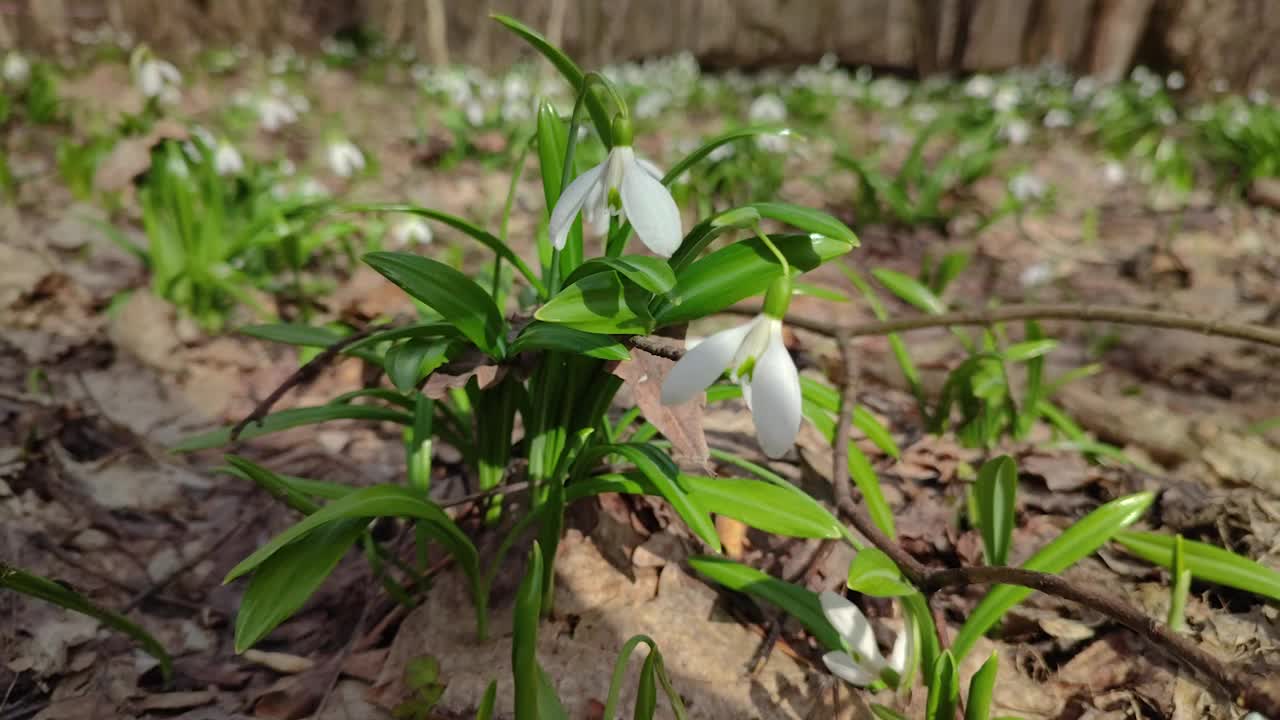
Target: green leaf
709, 146
878, 434
884, 713
910, 290
949, 269
488, 702
874, 573
817, 291
647, 690
419, 331
944, 690
58, 594
1206, 562
868, 483
412, 360
539, 335
463, 303
981, 689
1027, 350
568, 68
524, 641
552, 135
651, 273
741, 270
1085, 536
549, 705
294, 417
488, 239
1181, 586
600, 303
801, 603
996, 491
293, 334
807, 220
899, 348
280, 487
764, 506
283, 582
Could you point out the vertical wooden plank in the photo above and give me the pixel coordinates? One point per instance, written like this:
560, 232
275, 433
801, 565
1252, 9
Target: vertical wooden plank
1118, 28
996, 33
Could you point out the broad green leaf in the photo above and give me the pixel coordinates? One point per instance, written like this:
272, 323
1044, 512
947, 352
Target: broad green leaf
764, 506
1081, 539
996, 491
293, 334
1027, 350
741, 270
481, 235
539, 335
709, 146
807, 220
35, 586
568, 68
1206, 562
701, 235
279, 488
549, 705
868, 483
552, 134
651, 273
463, 303
944, 689
294, 417
910, 290
283, 582
981, 689
600, 303
801, 603
524, 641
412, 360
874, 573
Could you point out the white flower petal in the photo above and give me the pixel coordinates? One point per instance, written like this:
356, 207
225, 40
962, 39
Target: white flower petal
775, 396
903, 649
843, 667
654, 171
853, 626
651, 209
702, 365
570, 202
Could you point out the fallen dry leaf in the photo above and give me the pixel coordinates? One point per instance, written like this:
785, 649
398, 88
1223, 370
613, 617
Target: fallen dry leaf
280, 662
681, 424
131, 157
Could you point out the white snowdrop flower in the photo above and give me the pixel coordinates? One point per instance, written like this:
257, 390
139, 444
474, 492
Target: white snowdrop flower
1084, 88
1220, 85
1258, 96
1166, 116
863, 74
1175, 81
274, 113
1114, 173
515, 87
1006, 99
767, 108
474, 113
624, 186
1016, 131
890, 92
227, 159
17, 69
411, 231
287, 168
980, 86
1058, 118
156, 77
345, 159
1035, 275
1254, 716
177, 166
863, 664
300, 104
651, 104
1027, 186
312, 189
757, 359
828, 62
773, 142
924, 114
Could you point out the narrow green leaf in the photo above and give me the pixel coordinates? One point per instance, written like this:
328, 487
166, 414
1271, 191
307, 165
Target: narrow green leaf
524, 641
1180, 587
996, 491
412, 360
764, 506
294, 417
899, 348
801, 603
1029, 349
651, 273
293, 334
647, 689
463, 303
552, 133
279, 488
488, 702
878, 434
910, 290
949, 269
981, 689
709, 146
874, 573
540, 335
817, 291
424, 330
868, 483
1206, 562
283, 582
600, 303
807, 220
885, 713
741, 270
1085, 536
549, 705
35, 586
944, 690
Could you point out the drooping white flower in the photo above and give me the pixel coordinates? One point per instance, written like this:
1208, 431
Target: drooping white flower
227, 159
411, 231
1026, 187
980, 86
1175, 81
864, 664
1006, 99
274, 113
624, 186
475, 113
767, 108
157, 78
1016, 131
17, 70
1058, 118
345, 159
758, 361
1036, 274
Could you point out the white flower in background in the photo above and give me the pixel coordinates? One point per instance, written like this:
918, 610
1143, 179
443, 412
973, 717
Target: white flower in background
651, 104
177, 166
1084, 88
1006, 99
345, 159
1058, 118
1166, 116
1114, 173
17, 70
227, 159
300, 104
980, 86
411, 231
311, 189
864, 664
624, 186
828, 62
721, 152
924, 114
1016, 131
767, 108
475, 113
758, 361
157, 78
1026, 187
1220, 85
890, 92
274, 113
1175, 81
1036, 274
